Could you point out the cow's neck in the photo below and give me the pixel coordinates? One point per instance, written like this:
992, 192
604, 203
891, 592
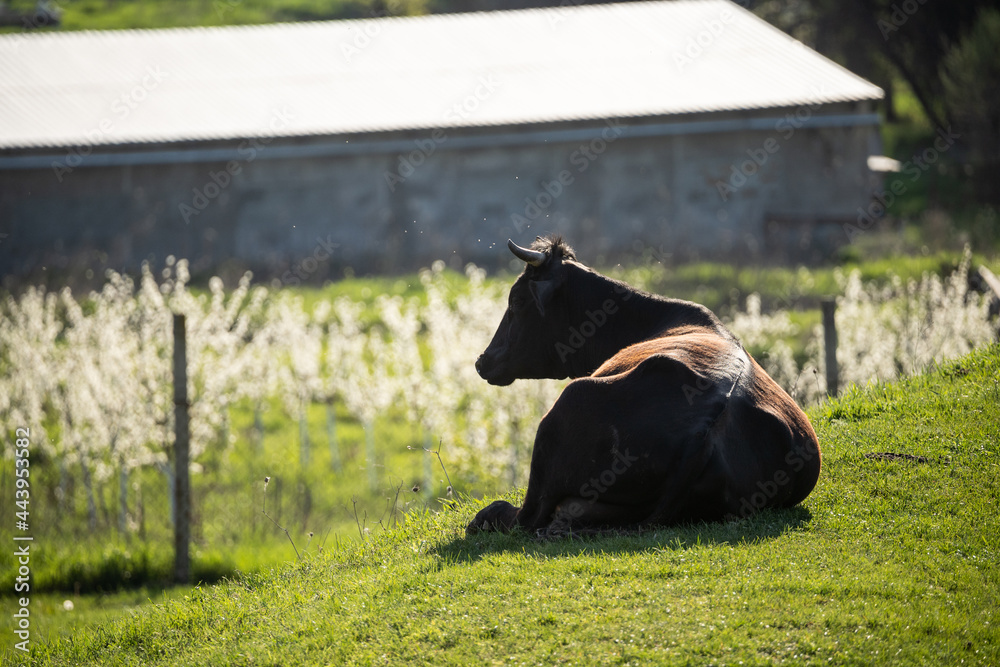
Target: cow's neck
633, 317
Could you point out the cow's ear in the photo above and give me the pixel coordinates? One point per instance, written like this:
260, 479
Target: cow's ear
542, 292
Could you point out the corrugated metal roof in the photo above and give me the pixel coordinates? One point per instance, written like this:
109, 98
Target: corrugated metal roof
450, 70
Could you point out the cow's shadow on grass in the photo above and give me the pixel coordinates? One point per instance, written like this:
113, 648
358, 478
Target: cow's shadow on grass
764, 526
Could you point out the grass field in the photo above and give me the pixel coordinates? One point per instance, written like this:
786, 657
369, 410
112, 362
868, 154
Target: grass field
887, 562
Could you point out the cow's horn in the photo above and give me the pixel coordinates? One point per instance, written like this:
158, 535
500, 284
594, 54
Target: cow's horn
533, 257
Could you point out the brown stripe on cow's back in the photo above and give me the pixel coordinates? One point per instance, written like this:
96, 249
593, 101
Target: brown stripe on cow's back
701, 349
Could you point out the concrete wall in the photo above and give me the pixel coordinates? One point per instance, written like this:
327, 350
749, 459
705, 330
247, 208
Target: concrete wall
785, 189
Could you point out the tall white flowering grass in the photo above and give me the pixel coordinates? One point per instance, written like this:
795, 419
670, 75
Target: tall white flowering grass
768, 332
905, 327
884, 332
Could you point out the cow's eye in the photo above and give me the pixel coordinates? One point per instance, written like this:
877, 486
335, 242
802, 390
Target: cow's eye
515, 303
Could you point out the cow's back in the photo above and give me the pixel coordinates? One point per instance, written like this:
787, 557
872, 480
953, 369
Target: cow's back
760, 441
705, 351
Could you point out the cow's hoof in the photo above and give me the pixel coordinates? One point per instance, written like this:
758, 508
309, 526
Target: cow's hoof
498, 516
560, 526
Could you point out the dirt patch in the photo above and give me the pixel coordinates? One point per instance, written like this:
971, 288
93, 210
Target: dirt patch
892, 456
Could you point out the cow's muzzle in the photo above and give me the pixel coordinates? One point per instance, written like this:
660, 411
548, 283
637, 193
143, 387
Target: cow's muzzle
491, 371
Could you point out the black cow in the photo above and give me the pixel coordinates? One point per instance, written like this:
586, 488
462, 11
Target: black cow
669, 419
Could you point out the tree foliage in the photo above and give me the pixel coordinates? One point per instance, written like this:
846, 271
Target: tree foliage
970, 77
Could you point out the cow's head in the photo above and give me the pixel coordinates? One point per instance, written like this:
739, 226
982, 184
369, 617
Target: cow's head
525, 344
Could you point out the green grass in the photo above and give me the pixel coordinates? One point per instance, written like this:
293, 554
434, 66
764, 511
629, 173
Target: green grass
53, 618
230, 532
887, 562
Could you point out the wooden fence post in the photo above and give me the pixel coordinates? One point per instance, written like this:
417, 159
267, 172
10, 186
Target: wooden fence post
331, 437
370, 455
993, 283
829, 306
182, 448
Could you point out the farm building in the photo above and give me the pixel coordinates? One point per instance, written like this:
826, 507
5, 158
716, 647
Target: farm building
691, 127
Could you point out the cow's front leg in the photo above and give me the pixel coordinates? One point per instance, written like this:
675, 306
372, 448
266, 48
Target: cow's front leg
499, 515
